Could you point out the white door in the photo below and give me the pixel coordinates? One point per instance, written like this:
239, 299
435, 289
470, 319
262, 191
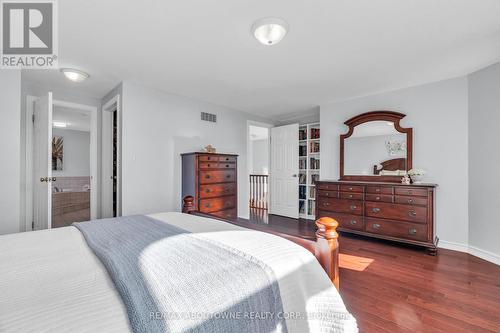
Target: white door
284, 181
42, 162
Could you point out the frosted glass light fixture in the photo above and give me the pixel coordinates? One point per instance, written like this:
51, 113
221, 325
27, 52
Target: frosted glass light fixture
74, 74
270, 30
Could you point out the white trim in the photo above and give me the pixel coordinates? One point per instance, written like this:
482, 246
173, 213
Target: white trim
453, 246
483, 254
472, 250
111, 105
28, 190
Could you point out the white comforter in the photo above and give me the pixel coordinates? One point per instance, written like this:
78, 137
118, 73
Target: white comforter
50, 280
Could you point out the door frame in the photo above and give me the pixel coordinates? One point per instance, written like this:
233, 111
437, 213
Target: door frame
28, 189
248, 171
110, 106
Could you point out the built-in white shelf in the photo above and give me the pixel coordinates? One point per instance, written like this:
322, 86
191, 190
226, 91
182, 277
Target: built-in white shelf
312, 145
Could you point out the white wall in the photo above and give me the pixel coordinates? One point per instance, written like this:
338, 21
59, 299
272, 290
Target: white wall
76, 153
438, 114
10, 156
260, 157
157, 128
484, 160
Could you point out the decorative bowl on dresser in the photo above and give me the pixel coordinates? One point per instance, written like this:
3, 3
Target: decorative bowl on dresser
369, 198
212, 180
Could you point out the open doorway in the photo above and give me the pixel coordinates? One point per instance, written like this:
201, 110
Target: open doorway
258, 169
61, 162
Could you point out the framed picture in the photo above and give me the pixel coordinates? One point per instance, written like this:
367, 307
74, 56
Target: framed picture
57, 153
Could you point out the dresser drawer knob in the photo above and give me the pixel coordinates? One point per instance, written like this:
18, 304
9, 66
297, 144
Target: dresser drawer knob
377, 190
207, 205
375, 210
353, 222
209, 158
350, 196
353, 207
410, 201
227, 158
207, 190
207, 176
412, 213
227, 165
350, 188
376, 226
327, 194
377, 198
326, 204
228, 176
412, 231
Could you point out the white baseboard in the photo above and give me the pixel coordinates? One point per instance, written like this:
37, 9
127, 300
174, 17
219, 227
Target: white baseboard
453, 246
486, 255
472, 250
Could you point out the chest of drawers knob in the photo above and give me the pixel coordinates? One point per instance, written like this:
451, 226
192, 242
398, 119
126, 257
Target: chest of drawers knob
350, 196
207, 176
412, 213
375, 210
377, 198
412, 231
376, 226
207, 190
377, 190
354, 207
326, 204
410, 201
353, 222
350, 188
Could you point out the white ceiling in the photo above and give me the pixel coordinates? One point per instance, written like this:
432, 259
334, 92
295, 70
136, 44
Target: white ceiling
74, 119
335, 49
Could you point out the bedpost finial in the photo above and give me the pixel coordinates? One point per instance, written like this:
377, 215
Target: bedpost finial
327, 228
188, 204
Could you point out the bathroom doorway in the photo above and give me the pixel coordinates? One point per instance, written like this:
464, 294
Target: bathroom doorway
62, 163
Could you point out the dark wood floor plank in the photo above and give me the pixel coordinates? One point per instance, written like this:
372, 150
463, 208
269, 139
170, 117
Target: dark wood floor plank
393, 288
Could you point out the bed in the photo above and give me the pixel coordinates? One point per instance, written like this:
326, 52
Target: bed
52, 281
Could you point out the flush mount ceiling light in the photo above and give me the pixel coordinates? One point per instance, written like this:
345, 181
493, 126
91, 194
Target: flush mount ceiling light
74, 74
269, 30
59, 124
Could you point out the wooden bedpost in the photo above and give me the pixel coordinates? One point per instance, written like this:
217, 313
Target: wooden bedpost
188, 204
327, 247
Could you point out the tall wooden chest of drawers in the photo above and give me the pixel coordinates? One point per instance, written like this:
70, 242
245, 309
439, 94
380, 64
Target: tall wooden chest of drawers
403, 213
212, 180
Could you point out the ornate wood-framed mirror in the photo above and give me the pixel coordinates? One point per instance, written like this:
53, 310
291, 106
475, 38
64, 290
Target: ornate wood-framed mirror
376, 148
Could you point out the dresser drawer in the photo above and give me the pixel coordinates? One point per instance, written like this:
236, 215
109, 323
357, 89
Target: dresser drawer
379, 190
209, 165
351, 188
227, 158
354, 222
406, 230
420, 201
227, 165
352, 196
217, 176
327, 187
419, 192
208, 158
396, 212
341, 206
217, 204
226, 214
328, 194
378, 197
210, 191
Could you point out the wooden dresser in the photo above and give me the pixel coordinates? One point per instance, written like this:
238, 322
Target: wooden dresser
212, 180
403, 213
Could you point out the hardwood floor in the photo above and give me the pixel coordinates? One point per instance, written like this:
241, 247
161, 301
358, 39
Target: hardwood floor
394, 288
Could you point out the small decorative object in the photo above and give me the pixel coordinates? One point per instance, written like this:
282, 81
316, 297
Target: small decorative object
210, 149
406, 180
416, 175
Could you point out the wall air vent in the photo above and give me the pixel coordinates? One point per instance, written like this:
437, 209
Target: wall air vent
209, 117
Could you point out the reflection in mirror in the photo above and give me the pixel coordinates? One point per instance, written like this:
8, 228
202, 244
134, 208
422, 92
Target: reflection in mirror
375, 148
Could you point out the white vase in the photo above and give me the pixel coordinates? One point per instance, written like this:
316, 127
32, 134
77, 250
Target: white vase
417, 179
